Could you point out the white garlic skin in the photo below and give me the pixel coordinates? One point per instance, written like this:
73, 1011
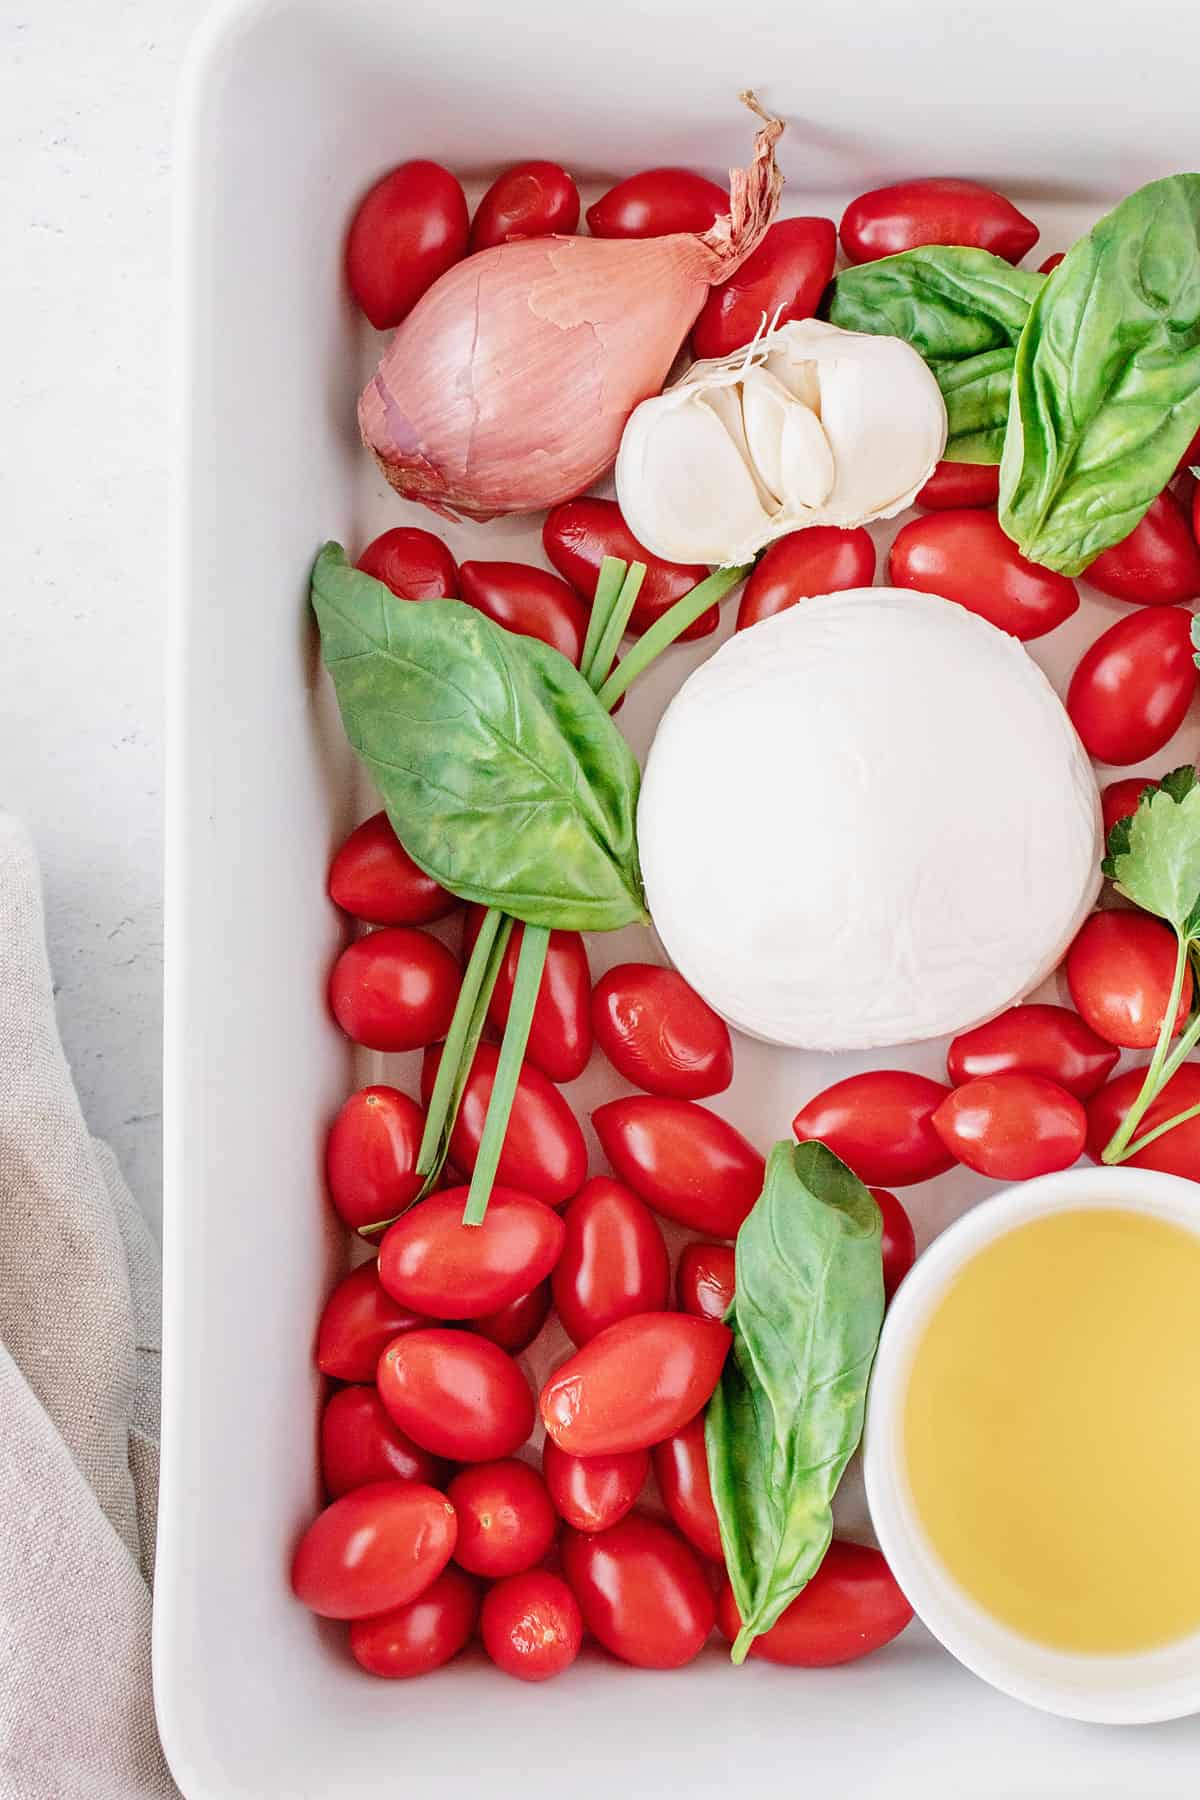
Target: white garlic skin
810, 425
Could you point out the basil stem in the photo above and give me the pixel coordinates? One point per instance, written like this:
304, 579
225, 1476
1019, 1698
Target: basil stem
666, 629
608, 587
530, 964
462, 1039
597, 670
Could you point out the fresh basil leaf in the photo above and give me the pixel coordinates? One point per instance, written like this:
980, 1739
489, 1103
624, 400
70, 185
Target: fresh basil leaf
503, 776
787, 1413
1106, 389
964, 311
1154, 854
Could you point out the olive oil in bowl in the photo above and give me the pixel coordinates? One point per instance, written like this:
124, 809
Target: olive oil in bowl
1050, 1430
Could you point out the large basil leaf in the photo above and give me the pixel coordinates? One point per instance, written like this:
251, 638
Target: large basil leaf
1106, 391
504, 777
964, 311
787, 1414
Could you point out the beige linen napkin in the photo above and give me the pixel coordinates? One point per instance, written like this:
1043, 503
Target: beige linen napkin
79, 1349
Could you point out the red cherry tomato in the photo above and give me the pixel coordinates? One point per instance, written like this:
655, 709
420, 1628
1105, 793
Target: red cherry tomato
560, 1033
1120, 970
415, 564
506, 1521
422, 1636
530, 602
1012, 1127
579, 534
934, 211
534, 199
966, 556
409, 229
851, 1606
639, 1381
1051, 263
824, 559
357, 1325
1158, 564
371, 1156
782, 280
544, 1151
468, 1271
1034, 1040
360, 1444
1133, 687
1176, 1152
593, 1492
374, 878
375, 1548
394, 989
614, 1262
898, 1245
531, 1625
881, 1125
456, 1393
515, 1326
659, 1034
642, 1591
681, 1468
704, 1280
954, 484
684, 1161
656, 203
1121, 798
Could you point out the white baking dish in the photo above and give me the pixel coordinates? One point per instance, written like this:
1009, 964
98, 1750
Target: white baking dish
290, 108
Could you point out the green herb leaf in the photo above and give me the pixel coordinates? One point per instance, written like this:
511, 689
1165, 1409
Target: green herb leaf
504, 777
787, 1414
1106, 389
964, 310
1154, 854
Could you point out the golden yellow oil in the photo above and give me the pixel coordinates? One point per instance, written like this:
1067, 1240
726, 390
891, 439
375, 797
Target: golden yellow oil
1052, 1430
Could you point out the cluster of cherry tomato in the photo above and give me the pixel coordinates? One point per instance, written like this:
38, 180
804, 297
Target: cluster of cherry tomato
428, 1497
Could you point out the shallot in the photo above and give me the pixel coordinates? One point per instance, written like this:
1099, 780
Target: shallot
507, 387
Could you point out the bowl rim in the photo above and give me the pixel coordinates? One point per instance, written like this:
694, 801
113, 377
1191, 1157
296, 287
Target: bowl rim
1141, 1688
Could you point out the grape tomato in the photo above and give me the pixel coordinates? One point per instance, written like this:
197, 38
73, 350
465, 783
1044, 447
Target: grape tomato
531, 1625
430, 1261
1132, 688
634, 1384
1035, 1039
361, 1444
783, 279
881, 1125
1176, 1152
528, 601
681, 1468
394, 989
1012, 1126
544, 1151
373, 878
966, 556
415, 564
955, 484
1121, 798
704, 1279
532, 199
409, 228
937, 210
1120, 969
851, 1607
514, 1327
656, 203
1158, 564
614, 1260
358, 1322
579, 534
659, 1034
371, 1156
683, 1160
823, 559
423, 1635
560, 1032
506, 1521
642, 1591
456, 1394
593, 1492
898, 1245
375, 1548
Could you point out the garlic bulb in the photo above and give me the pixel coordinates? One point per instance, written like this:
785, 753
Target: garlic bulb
811, 425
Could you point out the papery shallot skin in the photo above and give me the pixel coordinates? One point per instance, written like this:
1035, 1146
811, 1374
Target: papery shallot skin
507, 387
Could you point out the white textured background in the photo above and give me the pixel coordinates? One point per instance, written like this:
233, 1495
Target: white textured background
86, 104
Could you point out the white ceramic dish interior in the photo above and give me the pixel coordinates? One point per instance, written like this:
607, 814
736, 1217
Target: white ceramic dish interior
1111, 1690
290, 108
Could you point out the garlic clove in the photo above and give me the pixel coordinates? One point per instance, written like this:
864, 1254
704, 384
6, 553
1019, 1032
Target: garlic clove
765, 407
724, 399
808, 468
798, 374
684, 487
885, 453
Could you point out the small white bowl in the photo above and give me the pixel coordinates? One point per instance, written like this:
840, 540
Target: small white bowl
1104, 1689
